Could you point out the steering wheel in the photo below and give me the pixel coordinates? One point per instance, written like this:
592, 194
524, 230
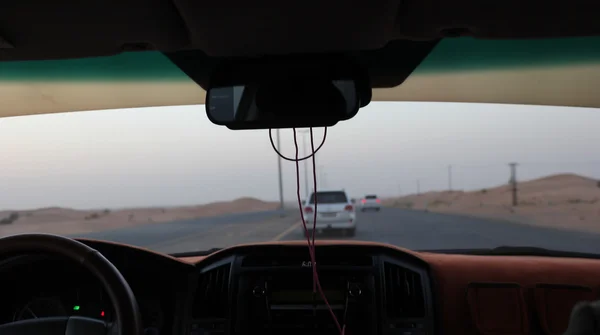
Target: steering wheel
128, 319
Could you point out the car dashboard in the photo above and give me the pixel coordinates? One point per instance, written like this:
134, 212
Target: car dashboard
268, 288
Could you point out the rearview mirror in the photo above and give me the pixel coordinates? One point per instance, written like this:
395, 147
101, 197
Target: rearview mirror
283, 104
285, 95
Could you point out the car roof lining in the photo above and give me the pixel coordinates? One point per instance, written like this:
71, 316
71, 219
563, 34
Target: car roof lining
387, 34
239, 28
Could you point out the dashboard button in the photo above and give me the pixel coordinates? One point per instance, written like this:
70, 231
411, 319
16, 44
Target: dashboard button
354, 291
258, 291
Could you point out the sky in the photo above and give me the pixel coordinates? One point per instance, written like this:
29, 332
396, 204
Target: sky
168, 156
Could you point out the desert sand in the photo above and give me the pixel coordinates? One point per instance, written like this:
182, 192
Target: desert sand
564, 201
57, 220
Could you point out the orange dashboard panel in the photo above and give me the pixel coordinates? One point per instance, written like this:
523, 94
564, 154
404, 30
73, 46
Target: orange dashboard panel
510, 294
490, 295
500, 294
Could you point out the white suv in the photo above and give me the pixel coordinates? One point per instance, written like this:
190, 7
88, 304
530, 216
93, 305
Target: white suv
335, 211
371, 202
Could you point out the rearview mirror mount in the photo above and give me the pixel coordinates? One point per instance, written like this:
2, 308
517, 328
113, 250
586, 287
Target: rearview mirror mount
286, 93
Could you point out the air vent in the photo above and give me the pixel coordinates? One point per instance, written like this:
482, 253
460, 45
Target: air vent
403, 292
212, 296
296, 257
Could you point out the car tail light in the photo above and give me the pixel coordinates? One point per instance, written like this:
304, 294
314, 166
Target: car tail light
364, 201
308, 210
378, 201
349, 208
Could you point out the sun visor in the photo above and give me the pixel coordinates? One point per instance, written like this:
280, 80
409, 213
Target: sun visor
550, 72
128, 80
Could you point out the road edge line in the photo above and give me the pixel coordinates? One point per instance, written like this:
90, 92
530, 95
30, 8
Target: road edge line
287, 231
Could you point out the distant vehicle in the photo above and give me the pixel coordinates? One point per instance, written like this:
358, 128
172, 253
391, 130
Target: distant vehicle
335, 212
371, 202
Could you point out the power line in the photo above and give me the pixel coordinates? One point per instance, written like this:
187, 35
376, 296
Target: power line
563, 162
523, 163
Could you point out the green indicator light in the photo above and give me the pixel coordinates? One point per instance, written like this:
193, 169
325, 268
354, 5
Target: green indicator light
76, 308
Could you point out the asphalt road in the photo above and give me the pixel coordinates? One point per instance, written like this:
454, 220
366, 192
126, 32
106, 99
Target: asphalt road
203, 233
411, 229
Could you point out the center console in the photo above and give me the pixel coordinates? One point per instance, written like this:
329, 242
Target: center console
269, 290
283, 302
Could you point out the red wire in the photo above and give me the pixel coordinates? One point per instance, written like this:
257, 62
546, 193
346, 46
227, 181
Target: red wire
311, 250
311, 244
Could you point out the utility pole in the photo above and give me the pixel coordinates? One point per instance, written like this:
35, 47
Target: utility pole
450, 178
322, 177
513, 183
418, 187
279, 172
305, 154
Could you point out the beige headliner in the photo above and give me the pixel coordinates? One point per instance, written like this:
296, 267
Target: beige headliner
559, 86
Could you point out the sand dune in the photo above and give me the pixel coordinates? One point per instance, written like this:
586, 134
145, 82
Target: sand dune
563, 201
58, 220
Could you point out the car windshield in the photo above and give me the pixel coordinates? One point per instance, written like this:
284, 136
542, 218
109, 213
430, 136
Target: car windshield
329, 198
448, 175
371, 197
